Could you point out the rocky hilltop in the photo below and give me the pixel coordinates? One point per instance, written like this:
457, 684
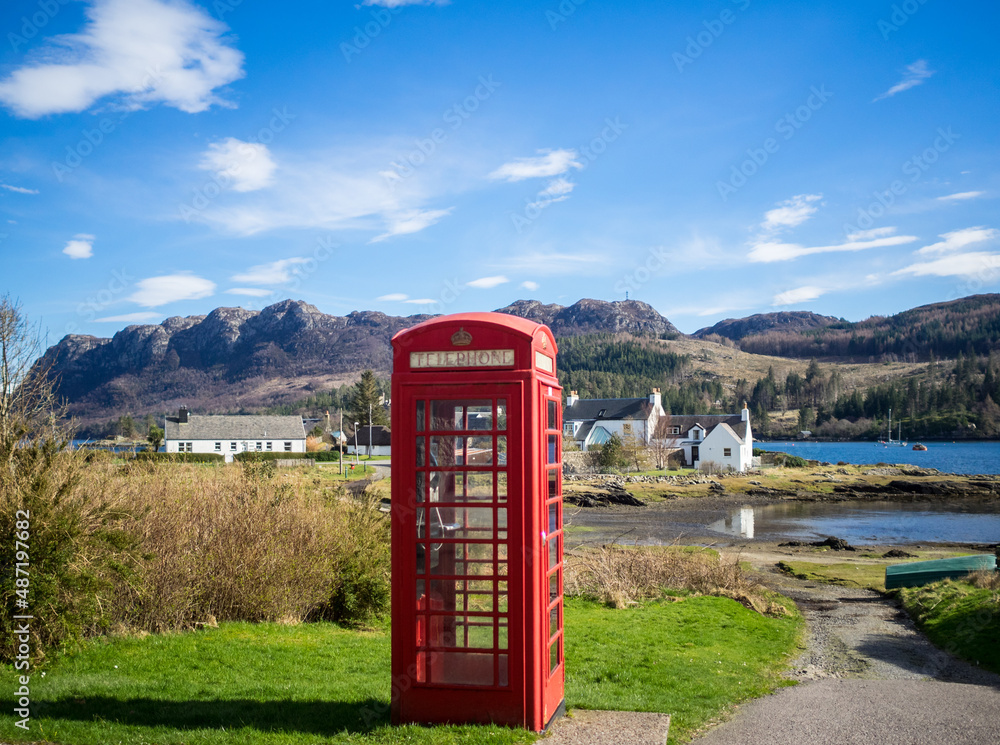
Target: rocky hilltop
595, 317
235, 358
761, 323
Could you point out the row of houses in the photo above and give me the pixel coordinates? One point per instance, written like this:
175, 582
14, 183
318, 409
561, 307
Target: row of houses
228, 435
726, 440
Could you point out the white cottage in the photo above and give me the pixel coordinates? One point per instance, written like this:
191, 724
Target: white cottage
725, 439
227, 435
591, 422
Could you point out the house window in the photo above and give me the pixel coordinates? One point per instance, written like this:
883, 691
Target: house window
218, 447
184, 447
627, 428
727, 452
288, 447
232, 446
675, 430
269, 446
568, 428
696, 435
258, 446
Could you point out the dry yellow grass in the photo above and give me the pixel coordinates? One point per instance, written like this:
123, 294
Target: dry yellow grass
623, 576
234, 543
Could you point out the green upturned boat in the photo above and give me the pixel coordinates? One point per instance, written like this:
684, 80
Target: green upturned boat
924, 572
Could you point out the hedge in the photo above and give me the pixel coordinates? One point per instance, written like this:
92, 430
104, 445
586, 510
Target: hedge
254, 456
182, 457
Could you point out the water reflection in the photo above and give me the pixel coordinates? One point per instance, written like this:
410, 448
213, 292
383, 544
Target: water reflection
738, 522
873, 522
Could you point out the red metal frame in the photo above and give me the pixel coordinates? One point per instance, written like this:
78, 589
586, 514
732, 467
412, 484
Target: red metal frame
476, 523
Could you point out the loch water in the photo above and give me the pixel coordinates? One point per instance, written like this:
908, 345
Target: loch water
949, 457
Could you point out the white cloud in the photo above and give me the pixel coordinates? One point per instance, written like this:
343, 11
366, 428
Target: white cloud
341, 188
247, 165
392, 297
411, 221
557, 187
798, 295
915, 74
548, 163
959, 239
130, 317
552, 263
487, 283
960, 196
529, 285
421, 301
791, 212
867, 235
155, 291
769, 251
275, 273
18, 189
961, 265
81, 247
249, 291
142, 51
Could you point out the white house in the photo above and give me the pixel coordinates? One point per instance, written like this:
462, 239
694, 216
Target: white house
725, 439
591, 422
227, 435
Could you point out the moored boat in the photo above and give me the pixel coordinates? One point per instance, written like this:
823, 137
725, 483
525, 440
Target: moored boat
919, 573
919, 446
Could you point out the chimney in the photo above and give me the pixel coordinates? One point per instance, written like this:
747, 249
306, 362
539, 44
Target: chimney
654, 398
745, 414
182, 415
572, 398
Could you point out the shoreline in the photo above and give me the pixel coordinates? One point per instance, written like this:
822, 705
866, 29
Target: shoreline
681, 509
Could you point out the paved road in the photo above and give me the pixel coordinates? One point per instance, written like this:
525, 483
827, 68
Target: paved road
867, 677
867, 712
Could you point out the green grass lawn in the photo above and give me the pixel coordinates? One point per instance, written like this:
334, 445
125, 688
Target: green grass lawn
959, 618
865, 574
269, 684
692, 659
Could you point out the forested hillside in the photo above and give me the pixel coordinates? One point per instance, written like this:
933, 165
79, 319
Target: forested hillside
970, 325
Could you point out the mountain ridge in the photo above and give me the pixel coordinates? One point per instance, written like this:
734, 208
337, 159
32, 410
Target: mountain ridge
234, 359
226, 356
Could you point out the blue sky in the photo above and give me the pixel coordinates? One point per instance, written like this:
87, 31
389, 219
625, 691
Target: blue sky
719, 159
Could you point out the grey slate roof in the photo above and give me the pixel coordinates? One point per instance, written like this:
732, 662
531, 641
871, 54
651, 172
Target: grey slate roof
614, 408
235, 427
380, 436
709, 422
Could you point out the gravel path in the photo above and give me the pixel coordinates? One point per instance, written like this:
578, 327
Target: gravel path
866, 676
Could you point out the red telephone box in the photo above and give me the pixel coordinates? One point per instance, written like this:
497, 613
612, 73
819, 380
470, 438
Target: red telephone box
477, 579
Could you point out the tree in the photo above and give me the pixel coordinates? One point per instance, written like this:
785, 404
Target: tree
126, 426
28, 406
610, 456
663, 442
366, 394
634, 452
155, 437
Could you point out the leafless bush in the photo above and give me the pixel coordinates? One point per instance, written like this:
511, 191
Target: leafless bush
624, 576
238, 543
985, 579
710, 467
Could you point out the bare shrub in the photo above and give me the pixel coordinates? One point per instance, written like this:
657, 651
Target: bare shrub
710, 467
624, 576
239, 543
985, 579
